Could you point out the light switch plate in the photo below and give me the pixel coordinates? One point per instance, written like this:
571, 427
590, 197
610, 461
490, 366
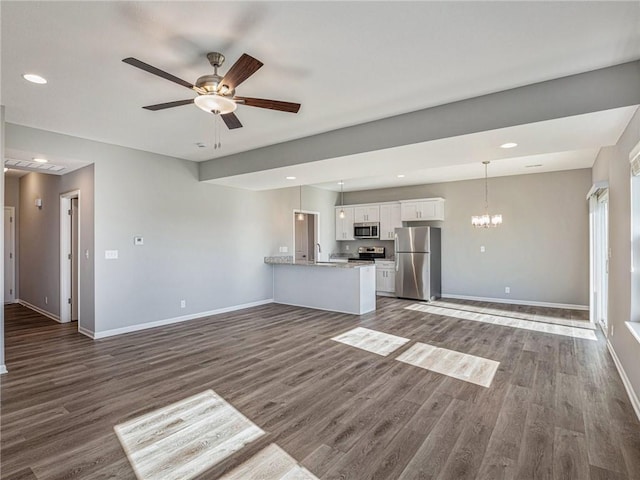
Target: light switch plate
111, 254
138, 240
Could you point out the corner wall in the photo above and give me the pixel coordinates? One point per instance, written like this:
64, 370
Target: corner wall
613, 163
39, 238
203, 243
541, 251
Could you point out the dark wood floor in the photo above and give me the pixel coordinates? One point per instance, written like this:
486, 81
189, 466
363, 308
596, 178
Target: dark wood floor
556, 408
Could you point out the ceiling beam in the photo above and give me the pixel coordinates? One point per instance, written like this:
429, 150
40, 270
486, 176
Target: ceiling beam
588, 92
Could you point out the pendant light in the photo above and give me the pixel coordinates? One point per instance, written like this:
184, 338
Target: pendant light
300, 216
341, 214
486, 220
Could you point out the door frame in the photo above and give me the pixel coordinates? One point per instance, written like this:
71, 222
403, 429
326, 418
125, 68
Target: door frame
65, 247
12, 232
599, 255
316, 232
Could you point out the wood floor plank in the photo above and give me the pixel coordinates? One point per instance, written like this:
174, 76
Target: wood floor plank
337, 411
570, 460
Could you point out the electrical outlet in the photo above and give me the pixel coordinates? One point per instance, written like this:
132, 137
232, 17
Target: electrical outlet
481, 248
507, 289
347, 247
183, 304
46, 300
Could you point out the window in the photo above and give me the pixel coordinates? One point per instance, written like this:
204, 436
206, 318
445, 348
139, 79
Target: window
634, 325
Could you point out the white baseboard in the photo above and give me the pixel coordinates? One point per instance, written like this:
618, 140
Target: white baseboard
39, 310
169, 321
86, 332
3, 369
625, 380
531, 303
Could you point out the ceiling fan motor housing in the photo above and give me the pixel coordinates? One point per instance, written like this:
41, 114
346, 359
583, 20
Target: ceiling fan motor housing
212, 84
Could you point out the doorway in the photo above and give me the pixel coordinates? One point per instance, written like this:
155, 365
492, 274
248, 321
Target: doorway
599, 212
305, 237
9, 255
70, 256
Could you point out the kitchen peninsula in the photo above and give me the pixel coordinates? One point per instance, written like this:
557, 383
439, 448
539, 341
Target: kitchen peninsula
337, 287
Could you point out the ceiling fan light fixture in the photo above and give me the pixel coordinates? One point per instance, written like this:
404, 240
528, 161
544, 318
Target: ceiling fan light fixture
216, 104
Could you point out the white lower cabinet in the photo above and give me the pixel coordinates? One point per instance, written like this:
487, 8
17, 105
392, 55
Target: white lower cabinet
385, 277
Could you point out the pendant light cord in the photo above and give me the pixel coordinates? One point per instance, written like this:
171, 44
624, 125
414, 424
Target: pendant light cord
486, 189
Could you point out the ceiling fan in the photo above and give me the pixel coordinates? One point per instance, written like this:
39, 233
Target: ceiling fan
216, 94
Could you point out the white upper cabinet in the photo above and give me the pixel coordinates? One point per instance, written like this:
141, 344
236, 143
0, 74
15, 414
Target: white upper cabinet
344, 226
366, 213
422, 210
390, 219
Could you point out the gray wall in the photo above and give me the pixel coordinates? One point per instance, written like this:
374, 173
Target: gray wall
39, 240
540, 251
12, 199
2, 148
613, 162
202, 243
83, 180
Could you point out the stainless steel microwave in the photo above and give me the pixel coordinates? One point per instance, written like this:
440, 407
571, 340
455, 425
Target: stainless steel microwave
366, 230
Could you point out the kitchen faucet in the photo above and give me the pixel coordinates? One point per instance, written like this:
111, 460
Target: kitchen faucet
319, 251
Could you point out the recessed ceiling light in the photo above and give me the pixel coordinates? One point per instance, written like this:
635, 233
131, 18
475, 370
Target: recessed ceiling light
33, 78
533, 166
40, 160
401, 176
340, 183
291, 178
508, 145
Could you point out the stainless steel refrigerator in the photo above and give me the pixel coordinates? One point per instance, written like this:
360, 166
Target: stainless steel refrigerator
418, 273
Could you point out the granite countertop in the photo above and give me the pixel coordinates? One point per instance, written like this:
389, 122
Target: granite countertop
289, 260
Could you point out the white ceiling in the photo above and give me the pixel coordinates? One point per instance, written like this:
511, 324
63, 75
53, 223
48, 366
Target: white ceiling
346, 62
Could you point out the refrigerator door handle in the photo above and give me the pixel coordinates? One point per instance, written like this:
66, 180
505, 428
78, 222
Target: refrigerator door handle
395, 249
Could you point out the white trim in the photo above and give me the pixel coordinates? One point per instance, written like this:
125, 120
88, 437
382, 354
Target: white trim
3, 369
86, 332
169, 321
596, 187
634, 328
569, 306
65, 249
635, 403
12, 234
39, 310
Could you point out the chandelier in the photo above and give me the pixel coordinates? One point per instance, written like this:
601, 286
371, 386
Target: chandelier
486, 220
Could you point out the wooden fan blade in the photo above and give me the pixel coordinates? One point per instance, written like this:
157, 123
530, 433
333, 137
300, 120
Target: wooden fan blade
270, 104
231, 121
241, 70
162, 106
156, 71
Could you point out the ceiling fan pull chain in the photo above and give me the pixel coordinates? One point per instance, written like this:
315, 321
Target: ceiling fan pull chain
215, 132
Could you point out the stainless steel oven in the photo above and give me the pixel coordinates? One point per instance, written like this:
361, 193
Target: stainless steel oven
366, 230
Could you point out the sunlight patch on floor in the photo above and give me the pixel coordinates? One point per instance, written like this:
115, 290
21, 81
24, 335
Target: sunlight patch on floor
185, 439
371, 340
462, 366
271, 463
505, 321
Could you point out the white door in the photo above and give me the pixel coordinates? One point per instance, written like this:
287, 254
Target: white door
599, 209
9, 255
